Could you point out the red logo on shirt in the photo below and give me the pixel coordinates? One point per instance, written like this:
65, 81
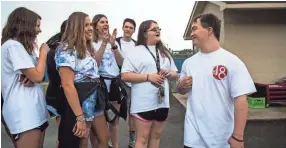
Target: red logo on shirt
219, 72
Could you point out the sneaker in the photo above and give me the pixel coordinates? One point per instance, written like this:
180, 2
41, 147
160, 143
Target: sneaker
132, 138
110, 144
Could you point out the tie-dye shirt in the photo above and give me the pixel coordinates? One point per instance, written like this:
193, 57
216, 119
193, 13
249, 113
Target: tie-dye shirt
108, 66
82, 68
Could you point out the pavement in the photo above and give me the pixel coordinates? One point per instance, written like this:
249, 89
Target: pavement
274, 112
172, 135
266, 128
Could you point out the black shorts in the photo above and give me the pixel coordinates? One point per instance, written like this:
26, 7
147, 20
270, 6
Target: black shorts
187, 147
114, 95
42, 127
160, 115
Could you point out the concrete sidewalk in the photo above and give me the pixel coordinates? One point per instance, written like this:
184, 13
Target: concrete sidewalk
271, 113
172, 135
265, 128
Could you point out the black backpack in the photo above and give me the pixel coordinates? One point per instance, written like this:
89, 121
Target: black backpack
118, 41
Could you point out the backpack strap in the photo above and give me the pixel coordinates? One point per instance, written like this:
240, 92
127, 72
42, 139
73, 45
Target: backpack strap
118, 41
135, 42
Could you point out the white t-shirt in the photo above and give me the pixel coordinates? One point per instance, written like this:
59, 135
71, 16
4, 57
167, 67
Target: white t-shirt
24, 108
125, 48
108, 66
218, 78
144, 96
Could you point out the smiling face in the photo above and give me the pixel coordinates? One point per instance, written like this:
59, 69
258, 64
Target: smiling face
102, 25
79, 33
128, 29
153, 33
199, 34
88, 28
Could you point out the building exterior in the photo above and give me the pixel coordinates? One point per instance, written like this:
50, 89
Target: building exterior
254, 31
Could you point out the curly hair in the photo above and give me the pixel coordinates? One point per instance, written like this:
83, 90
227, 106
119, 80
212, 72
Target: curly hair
21, 26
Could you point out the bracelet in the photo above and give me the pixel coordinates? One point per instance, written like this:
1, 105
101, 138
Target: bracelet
147, 77
79, 115
80, 120
236, 139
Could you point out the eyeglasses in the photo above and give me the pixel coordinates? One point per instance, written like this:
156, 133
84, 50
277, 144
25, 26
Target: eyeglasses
154, 29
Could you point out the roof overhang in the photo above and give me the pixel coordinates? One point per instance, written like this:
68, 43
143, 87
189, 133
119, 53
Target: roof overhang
250, 5
199, 7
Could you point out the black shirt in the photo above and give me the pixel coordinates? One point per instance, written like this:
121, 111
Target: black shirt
54, 94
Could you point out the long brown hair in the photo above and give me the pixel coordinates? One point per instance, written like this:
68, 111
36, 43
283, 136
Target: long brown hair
21, 26
95, 20
74, 35
142, 40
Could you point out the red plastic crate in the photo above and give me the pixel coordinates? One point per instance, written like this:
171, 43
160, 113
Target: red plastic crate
274, 92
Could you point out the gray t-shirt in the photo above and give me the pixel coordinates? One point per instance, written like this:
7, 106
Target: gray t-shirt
24, 108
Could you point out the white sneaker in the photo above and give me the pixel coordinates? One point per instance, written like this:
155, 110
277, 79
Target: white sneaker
110, 144
132, 138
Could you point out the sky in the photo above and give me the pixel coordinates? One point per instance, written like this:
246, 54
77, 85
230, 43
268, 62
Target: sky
172, 15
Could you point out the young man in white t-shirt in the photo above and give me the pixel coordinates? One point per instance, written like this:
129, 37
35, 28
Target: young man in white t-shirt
217, 83
126, 43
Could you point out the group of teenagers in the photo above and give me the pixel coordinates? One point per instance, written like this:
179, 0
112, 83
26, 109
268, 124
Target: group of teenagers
95, 78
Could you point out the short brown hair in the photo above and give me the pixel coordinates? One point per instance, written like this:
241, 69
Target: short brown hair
130, 21
209, 20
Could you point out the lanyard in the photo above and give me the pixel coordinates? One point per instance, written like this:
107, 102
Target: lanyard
157, 59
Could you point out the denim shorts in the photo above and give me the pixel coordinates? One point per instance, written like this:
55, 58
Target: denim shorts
98, 112
89, 110
88, 107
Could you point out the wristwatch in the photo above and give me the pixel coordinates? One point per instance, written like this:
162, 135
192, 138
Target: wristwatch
114, 47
